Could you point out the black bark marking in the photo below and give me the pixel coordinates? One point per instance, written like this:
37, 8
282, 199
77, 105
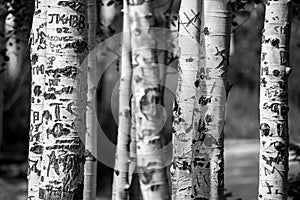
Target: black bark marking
265, 128
197, 83
47, 116
58, 130
37, 90
48, 96
53, 161
37, 149
33, 167
34, 59
192, 20
203, 101
74, 4
154, 187
57, 110
264, 82
269, 186
263, 57
79, 46
148, 102
68, 71
189, 59
275, 42
284, 58
110, 3
205, 31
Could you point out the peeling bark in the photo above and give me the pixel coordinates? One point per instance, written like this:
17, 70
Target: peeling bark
37, 115
273, 168
209, 113
147, 97
188, 41
65, 101
90, 166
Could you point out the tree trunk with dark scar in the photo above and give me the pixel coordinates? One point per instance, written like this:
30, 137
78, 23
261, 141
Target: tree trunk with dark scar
274, 72
65, 128
37, 114
147, 98
189, 26
211, 94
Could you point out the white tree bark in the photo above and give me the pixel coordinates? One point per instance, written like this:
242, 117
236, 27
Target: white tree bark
188, 41
90, 167
121, 175
2, 71
273, 168
65, 100
147, 97
212, 89
37, 114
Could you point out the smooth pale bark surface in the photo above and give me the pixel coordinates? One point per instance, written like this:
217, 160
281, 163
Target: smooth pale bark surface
123, 160
37, 115
273, 168
183, 109
90, 166
65, 101
212, 89
147, 97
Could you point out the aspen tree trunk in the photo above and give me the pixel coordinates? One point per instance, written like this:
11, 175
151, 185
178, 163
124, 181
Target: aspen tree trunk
108, 11
13, 47
90, 167
188, 41
273, 167
37, 114
163, 11
121, 175
146, 96
211, 93
65, 101
2, 71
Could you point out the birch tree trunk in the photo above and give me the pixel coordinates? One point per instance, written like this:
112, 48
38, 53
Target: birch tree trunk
108, 12
211, 93
147, 97
2, 71
37, 114
90, 167
121, 175
14, 48
162, 12
188, 41
65, 100
273, 168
